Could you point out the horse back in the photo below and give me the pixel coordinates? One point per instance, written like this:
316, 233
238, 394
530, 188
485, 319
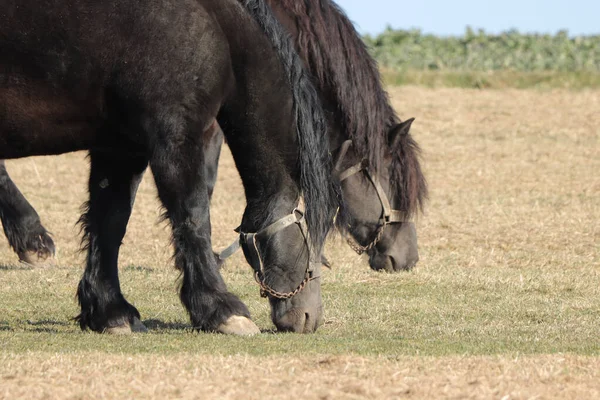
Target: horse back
75, 74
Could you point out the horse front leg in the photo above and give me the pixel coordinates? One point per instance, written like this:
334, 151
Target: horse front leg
183, 188
113, 184
22, 226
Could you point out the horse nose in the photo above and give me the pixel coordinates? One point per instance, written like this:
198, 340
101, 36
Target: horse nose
406, 263
393, 263
398, 252
299, 320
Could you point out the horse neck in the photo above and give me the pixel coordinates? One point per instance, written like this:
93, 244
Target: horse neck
277, 142
258, 129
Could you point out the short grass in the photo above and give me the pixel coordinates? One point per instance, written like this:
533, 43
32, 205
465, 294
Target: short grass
504, 302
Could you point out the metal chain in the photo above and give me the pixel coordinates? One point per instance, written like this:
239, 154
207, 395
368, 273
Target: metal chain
362, 249
267, 290
260, 278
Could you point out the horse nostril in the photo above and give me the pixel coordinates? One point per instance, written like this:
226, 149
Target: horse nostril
292, 321
298, 320
308, 325
394, 264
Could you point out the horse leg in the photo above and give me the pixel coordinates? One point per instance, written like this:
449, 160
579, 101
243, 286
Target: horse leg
112, 186
22, 226
181, 181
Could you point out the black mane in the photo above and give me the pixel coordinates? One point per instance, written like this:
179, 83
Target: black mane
339, 60
348, 75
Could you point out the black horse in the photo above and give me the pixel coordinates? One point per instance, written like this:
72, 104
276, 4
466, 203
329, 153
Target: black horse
358, 109
141, 83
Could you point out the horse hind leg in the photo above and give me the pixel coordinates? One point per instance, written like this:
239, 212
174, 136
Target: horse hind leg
181, 180
113, 184
22, 225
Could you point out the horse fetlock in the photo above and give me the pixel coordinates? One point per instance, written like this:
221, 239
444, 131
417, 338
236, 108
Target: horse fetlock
116, 316
210, 310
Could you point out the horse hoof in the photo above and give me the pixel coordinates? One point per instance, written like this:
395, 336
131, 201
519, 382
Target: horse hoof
138, 326
37, 259
238, 325
127, 328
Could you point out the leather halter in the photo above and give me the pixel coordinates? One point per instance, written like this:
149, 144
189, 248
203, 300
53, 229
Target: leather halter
388, 215
250, 243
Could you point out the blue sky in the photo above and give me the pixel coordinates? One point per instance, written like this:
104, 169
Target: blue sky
450, 17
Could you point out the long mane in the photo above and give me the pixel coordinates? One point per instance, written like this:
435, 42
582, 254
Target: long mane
346, 73
349, 78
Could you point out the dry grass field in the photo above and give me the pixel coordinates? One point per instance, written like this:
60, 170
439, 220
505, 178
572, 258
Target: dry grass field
504, 304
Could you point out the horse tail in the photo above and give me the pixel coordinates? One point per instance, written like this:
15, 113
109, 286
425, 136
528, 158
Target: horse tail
321, 194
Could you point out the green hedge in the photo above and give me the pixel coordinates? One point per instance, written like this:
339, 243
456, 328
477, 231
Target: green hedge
479, 51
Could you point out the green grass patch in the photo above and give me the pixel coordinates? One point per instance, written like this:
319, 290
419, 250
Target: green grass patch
481, 51
470, 311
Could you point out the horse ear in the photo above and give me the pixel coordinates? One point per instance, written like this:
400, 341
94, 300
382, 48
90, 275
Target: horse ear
398, 131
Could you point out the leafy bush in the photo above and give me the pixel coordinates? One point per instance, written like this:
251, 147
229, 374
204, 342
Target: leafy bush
479, 51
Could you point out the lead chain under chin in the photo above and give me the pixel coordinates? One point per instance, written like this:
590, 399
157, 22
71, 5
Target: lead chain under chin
360, 249
250, 242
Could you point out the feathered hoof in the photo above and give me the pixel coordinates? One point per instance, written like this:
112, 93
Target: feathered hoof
127, 328
37, 259
238, 325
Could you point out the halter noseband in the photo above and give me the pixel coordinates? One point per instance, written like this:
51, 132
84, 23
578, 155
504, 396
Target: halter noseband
388, 216
249, 241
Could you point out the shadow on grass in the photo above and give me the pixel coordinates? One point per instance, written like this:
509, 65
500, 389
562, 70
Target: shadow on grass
15, 267
155, 324
138, 268
4, 327
41, 326
46, 326
44, 330
47, 322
